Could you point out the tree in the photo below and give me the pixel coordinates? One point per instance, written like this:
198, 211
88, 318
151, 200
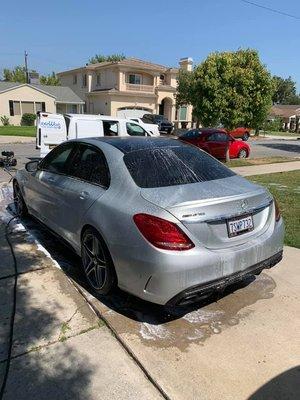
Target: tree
51, 79
98, 58
232, 89
184, 88
18, 74
285, 91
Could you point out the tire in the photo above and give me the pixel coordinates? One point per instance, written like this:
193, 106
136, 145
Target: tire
20, 205
243, 153
97, 263
245, 137
169, 131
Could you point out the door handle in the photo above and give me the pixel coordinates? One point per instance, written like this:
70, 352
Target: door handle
84, 195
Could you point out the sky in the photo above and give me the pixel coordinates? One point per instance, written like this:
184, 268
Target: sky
64, 34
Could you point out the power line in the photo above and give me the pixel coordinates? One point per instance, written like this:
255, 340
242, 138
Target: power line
270, 9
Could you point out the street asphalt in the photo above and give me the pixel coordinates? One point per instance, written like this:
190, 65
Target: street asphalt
259, 148
274, 148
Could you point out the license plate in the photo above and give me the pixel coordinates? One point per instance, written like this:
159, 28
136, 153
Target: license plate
239, 225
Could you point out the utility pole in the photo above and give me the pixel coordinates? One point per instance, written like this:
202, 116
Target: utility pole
26, 67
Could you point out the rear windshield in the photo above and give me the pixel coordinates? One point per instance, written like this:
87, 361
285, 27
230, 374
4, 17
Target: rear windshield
170, 166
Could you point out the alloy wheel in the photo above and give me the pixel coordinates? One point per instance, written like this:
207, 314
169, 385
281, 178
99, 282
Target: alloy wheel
243, 154
94, 261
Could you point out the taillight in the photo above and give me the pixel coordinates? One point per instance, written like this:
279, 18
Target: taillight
277, 211
161, 233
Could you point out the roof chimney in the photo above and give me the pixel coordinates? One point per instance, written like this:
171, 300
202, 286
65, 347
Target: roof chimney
186, 63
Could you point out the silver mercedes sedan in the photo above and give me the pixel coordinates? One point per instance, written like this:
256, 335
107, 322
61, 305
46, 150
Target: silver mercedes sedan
157, 217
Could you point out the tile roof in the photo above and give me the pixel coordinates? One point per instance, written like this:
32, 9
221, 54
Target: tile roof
285, 110
131, 62
127, 62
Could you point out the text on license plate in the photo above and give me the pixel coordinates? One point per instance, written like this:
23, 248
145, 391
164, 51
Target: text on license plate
238, 226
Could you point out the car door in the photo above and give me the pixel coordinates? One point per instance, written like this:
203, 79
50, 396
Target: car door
86, 181
191, 136
217, 144
41, 186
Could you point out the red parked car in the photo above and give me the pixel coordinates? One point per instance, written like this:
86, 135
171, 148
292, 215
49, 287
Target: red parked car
240, 133
216, 143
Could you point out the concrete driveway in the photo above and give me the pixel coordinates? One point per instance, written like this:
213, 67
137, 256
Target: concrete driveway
243, 345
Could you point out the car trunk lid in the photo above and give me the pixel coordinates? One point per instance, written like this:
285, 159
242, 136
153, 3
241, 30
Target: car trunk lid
205, 208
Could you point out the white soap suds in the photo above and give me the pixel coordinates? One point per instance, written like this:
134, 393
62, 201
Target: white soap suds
153, 332
203, 316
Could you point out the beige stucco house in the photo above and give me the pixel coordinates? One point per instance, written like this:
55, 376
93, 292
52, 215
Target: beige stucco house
17, 99
289, 115
128, 87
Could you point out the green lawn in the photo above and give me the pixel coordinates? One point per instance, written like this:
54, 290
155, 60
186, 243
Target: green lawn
18, 131
259, 161
285, 186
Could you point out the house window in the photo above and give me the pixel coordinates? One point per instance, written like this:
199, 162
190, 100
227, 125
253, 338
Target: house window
14, 108
98, 79
84, 80
135, 79
162, 79
74, 79
72, 108
40, 106
182, 113
27, 107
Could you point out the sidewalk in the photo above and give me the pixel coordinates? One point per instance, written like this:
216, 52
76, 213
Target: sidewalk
275, 137
267, 168
61, 349
16, 139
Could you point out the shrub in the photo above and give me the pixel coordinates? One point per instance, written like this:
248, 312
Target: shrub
5, 120
28, 119
274, 125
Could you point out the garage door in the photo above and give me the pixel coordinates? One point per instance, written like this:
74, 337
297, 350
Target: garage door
132, 112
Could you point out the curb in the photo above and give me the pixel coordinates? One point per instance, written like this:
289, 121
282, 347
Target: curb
120, 340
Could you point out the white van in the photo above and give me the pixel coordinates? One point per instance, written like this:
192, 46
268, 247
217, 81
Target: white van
53, 129
151, 128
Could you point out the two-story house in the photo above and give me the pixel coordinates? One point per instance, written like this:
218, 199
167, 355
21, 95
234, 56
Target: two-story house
127, 88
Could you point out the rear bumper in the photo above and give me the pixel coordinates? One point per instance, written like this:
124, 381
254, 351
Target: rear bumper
194, 293
166, 128
161, 276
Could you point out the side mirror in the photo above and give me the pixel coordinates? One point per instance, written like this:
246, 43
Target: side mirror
32, 166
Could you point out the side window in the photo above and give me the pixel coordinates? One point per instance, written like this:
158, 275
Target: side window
212, 138
135, 130
56, 161
192, 134
222, 137
148, 118
89, 164
110, 128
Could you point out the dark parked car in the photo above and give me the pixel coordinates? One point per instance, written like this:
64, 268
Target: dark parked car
216, 142
164, 125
